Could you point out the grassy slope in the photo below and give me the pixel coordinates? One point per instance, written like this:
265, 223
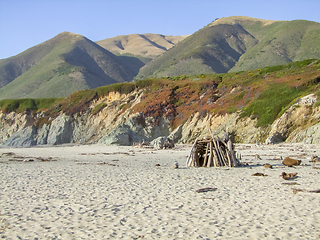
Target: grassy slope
65, 64
144, 45
46, 72
279, 43
211, 50
13, 67
255, 43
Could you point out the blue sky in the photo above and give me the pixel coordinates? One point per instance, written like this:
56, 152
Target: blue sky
26, 23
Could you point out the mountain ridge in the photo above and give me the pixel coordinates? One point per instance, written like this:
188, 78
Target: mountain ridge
70, 62
146, 45
271, 47
64, 64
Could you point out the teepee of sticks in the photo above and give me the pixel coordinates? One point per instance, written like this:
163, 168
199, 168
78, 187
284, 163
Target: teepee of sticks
212, 152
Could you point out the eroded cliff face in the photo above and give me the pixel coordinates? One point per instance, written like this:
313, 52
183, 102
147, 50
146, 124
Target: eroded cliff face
11, 123
300, 123
118, 123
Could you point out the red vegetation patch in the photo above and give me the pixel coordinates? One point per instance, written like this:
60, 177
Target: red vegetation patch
179, 102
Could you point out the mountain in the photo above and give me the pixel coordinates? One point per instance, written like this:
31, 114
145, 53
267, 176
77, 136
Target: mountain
62, 65
237, 44
70, 62
145, 45
280, 42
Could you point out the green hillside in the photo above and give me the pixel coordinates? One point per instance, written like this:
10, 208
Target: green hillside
279, 43
210, 50
238, 44
141, 45
60, 66
13, 67
70, 62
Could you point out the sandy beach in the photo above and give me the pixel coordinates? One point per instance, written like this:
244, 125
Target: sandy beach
115, 192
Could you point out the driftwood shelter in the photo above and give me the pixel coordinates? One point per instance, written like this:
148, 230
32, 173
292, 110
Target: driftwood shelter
212, 152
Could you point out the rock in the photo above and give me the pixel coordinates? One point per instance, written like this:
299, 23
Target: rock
310, 135
289, 176
315, 159
291, 162
121, 135
275, 138
175, 165
42, 135
144, 144
23, 138
158, 142
176, 134
60, 130
168, 144
267, 165
290, 126
135, 130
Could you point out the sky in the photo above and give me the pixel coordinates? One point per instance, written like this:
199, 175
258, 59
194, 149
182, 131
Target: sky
26, 23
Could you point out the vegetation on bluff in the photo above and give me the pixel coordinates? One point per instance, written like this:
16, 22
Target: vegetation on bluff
263, 94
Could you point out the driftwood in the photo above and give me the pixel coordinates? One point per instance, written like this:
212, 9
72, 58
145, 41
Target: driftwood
295, 190
205, 189
259, 174
212, 151
289, 176
315, 159
290, 183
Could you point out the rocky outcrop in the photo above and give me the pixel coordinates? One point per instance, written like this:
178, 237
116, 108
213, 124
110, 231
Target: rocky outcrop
241, 129
296, 123
12, 122
61, 131
23, 138
310, 135
115, 125
136, 129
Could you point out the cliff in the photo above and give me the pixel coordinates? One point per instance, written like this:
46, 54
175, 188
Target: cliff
112, 125
269, 105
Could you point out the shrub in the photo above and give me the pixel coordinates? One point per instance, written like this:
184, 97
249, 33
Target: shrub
270, 103
98, 108
21, 105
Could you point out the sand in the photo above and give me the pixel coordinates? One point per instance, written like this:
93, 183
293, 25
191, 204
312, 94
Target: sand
111, 192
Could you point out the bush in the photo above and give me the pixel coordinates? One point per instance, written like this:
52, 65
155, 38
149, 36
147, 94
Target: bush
21, 105
98, 108
270, 103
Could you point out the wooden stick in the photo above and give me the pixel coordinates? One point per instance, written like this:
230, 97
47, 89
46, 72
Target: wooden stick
211, 156
229, 158
194, 157
204, 140
222, 155
233, 157
206, 157
217, 152
188, 159
196, 162
295, 190
215, 156
206, 189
